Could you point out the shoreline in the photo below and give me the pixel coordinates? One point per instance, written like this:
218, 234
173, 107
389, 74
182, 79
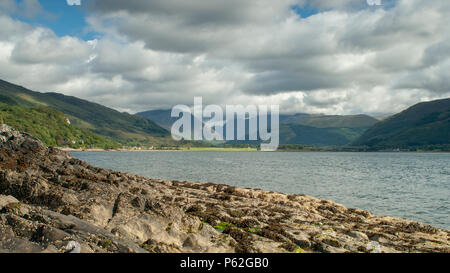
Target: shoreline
239, 150
56, 198
159, 150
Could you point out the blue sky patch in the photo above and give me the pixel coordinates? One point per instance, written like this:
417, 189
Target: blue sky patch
62, 18
304, 12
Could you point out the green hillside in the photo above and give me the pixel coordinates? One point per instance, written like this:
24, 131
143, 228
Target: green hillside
300, 128
161, 117
426, 123
323, 130
122, 127
52, 128
350, 121
308, 135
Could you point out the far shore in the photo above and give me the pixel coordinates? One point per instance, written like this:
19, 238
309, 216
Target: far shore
212, 149
219, 149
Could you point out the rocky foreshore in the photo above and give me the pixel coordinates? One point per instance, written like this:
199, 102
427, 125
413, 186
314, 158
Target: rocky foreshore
49, 200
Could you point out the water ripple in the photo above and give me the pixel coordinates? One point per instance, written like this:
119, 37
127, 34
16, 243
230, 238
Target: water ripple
408, 185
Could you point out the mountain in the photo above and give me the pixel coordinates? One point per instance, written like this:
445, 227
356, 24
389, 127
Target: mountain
300, 128
294, 118
335, 121
123, 127
161, 117
308, 135
426, 123
323, 130
52, 127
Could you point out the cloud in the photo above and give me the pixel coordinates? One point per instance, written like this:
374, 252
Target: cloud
344, 57
43, 46
7, 6
28, 9
74, 2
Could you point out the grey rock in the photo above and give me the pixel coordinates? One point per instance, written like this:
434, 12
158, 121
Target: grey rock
7, 200
357, 234
324, 248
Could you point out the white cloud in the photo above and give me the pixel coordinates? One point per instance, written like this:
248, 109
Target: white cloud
43, 46
348, 58
74, 2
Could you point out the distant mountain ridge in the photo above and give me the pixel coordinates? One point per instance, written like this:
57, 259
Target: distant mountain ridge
337, 121
426, 123
300, 128
123, 127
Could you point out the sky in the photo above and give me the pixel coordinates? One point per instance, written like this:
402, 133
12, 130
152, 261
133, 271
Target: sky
308, 56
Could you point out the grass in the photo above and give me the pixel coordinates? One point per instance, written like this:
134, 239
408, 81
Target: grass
254, 230
105, 244
299, 250
222, 226
14, 208
51, 127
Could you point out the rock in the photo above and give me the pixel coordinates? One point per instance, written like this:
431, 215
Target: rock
373, 247
191, 242
380, 239
325, 248
48, 234
73, 247
49, 198
7, 200
357, 234
301, 239
18, 245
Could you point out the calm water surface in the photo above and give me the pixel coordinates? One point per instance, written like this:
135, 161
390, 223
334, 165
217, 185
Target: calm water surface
408, 185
